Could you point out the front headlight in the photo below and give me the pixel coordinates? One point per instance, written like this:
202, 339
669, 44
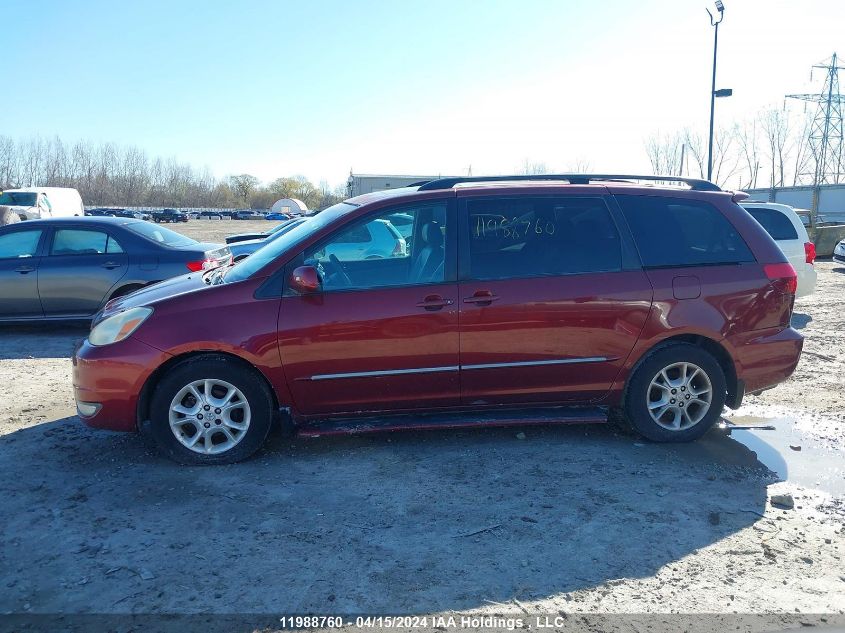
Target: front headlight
118, 327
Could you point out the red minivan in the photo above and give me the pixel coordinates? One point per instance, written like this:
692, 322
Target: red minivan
515, 300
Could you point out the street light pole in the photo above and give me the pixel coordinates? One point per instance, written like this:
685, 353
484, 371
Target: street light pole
715, 24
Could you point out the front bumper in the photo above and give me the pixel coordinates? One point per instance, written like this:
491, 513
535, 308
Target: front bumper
112, 377
765, 359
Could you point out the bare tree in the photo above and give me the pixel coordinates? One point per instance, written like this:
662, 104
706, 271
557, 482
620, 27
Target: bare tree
243, 185
530, 168
8, 162
664, 153
580, 165
803, 160
747, 136
725, 159
776, 129
112, 175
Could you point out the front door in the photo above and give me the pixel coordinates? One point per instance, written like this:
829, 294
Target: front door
19, 261
550, 308
81, 269
382, 332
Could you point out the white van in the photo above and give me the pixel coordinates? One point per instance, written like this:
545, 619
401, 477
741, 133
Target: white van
32, 203
783, 224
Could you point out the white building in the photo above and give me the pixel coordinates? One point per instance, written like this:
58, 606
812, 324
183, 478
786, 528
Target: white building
367, 183
289, 206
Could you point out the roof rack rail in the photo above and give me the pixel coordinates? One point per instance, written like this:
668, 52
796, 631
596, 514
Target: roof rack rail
696, 184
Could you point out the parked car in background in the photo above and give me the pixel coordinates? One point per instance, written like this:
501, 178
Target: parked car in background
32, 203
67, 268
248, 214
210, 215
277, 216
100, 212
256, 235
404, 223
785, 226
245, 248
169, 215
554, 300
128, 213
839, 252
378, 239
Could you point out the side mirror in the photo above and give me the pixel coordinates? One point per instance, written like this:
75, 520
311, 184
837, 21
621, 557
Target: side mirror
305, 280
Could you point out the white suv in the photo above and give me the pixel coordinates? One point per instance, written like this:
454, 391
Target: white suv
783, 224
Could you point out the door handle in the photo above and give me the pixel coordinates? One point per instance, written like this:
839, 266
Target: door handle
434, 302
111, 265
23, 270
482, 297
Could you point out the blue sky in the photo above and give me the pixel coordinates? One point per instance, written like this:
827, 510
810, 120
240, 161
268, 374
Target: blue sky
278, 88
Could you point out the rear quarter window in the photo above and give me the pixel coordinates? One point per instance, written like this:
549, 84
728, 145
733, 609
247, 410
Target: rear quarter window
672, 232
776, 223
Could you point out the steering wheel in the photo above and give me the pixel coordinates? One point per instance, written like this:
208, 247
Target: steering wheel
336, 269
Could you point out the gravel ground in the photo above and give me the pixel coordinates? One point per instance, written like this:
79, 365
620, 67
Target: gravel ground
568, 519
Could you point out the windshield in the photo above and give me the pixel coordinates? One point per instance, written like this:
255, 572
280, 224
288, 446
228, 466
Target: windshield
159, 234
18, 198
289, 239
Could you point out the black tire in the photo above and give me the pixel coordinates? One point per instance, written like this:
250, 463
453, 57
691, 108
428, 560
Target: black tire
639, 392
216, 367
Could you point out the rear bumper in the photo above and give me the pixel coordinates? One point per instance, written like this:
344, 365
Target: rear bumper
108, 380
765, 359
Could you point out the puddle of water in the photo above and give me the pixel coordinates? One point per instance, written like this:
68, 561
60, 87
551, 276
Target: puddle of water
815, 466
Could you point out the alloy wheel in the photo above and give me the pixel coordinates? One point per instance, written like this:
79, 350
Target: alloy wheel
679, 396
209, 416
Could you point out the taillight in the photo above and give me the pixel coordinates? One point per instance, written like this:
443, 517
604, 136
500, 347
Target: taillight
202, 264
783, 276
810, 252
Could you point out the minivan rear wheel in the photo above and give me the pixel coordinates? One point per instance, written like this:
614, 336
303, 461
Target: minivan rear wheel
210, 410
676, 394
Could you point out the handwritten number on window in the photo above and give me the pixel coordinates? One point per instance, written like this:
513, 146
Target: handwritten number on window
514, 228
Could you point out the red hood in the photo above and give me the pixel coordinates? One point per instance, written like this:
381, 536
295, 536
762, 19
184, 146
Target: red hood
149, 295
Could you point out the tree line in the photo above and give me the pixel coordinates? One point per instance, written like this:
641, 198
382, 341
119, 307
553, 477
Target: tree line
107, 174
771, 149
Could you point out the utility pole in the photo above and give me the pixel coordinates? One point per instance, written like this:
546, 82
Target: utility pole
681, 166
725, 92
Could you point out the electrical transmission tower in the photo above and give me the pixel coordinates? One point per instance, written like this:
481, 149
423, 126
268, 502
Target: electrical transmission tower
826, 131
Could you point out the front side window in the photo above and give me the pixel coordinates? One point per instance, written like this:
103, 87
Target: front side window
671, 232
532, 237
19, 244
346, 260
79, 242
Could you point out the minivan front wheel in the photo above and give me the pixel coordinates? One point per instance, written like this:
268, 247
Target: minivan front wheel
676, 394
210, 410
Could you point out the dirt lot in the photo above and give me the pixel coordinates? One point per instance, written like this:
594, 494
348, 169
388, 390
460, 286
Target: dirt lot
568, 519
